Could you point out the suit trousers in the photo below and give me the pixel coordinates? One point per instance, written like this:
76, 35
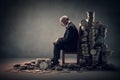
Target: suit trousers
57, 48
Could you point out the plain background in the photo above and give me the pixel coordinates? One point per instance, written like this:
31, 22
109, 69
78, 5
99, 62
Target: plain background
29, 27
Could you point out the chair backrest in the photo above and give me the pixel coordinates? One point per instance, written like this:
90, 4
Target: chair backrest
79, 40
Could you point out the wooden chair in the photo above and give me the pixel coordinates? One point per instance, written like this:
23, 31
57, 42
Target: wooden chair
78, 52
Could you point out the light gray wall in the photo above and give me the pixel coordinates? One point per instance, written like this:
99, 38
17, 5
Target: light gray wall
32, 26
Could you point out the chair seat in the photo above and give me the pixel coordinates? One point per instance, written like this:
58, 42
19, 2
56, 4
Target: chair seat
70, 52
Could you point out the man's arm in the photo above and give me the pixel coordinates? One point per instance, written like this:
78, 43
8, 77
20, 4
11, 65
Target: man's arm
69, 35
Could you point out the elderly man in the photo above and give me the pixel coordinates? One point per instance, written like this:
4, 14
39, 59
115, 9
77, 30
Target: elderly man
68, 42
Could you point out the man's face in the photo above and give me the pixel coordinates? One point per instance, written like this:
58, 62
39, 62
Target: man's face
62, 24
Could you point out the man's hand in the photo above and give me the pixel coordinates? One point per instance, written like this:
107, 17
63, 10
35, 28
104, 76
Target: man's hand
55, 41
58, 39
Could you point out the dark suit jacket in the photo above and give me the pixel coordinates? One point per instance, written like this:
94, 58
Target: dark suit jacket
70, 38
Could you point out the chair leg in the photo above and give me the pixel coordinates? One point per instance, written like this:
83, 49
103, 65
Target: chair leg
63, 58
78, 56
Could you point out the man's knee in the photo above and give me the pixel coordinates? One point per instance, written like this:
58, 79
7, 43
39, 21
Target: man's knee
59, 46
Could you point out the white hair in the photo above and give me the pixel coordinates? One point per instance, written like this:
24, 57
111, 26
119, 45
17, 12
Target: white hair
64, 19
